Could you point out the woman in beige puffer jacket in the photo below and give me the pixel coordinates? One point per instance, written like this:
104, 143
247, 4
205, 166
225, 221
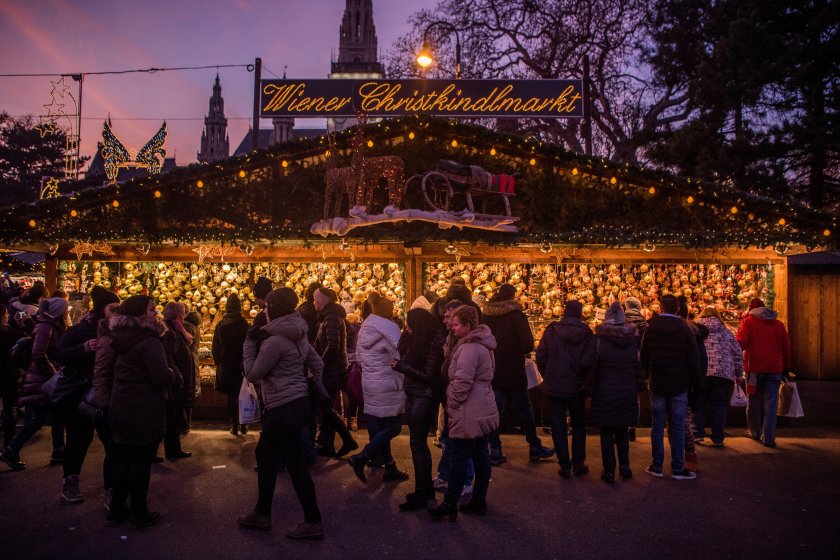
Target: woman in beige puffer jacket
471, 407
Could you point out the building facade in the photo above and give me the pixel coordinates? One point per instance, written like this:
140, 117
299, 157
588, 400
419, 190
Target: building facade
214, 138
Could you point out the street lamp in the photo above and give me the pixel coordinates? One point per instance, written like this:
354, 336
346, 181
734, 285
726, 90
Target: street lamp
425, 58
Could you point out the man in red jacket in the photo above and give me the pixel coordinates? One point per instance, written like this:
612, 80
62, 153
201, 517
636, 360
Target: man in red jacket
766, 346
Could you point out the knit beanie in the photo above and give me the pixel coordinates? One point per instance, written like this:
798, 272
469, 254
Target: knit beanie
101, 297
632, 303
321, 297
281, 302
380, 305
233, 305
755, 303
614, 314
505, 293
262, 287
135, 306
54, 307
573, 309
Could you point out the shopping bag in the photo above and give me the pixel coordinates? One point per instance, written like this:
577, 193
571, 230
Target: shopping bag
354, 383
535, 379
739, 397
249, 407
789, 403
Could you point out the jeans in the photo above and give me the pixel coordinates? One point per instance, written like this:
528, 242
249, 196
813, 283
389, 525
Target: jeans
557, 408
382, 431
79, 435
133, 472
421, 412
462, 451
519, 398
676, 407
35, 417
281, 433
762, 408
445, 464
717, 392
612, 439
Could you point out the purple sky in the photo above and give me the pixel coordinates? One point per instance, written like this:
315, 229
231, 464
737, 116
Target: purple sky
63, 36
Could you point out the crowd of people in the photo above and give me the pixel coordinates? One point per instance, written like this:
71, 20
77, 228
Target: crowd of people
128, 374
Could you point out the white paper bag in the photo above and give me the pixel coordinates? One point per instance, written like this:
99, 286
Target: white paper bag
739, 397
249, 406
532, 373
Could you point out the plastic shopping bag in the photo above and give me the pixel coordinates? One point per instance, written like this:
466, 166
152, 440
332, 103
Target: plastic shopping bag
789, 403
249, 406
739, 397
535, 379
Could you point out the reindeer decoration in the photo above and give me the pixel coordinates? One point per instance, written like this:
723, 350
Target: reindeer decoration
370, 170
339, 180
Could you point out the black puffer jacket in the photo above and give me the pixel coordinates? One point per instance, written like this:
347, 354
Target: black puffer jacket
564, 356
426, 379
616, 377
669, 356
331, 344
310, 315
73, 352
183, 365
142, 379
228, 340
514, 341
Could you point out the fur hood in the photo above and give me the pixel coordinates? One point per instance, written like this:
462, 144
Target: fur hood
496, 308
127, 331
622, 334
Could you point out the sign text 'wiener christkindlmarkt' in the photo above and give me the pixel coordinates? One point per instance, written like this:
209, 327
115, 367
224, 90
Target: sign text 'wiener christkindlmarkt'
449, 98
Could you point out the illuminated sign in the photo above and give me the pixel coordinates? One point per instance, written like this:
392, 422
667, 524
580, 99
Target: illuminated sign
446, 98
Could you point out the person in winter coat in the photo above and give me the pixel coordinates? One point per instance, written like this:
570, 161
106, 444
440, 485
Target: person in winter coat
77, 353
142, 378
262, 287
228, 340
633, 316
9, 371
103, 384
472, 412
694, 431
766, 346
564, 357
670, 359
308, 312
509, 325
192, 324
331, 345
382, 387
421, 356
50, 324
458, 291
614, 382
279, 358
176, 342
726, 367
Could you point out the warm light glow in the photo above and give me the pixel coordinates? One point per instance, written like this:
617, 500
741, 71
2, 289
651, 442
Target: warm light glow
242, 173
652, 190
782, 221
613, 181
199, 184
284, 163
533, 161
411, 136
454, 143
115, 204
575, 171
31, 223
73, 213
492, 151
734, 209
157, 194
424, 58
827, 232
370, 144
690, 199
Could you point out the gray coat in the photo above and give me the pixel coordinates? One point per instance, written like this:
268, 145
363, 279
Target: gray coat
281, 361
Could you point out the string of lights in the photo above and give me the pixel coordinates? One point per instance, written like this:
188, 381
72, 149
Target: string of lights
152, 70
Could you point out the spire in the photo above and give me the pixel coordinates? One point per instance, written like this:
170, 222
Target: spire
357, 46
214, 140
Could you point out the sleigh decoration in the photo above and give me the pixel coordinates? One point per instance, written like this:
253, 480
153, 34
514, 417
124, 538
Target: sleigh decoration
450, 193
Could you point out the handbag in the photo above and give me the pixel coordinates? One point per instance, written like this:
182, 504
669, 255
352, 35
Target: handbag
318, 394
739, 397
354, 383
88, 406
67, 388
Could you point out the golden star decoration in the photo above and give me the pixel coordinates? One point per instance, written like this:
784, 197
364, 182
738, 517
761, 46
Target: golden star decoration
50, 190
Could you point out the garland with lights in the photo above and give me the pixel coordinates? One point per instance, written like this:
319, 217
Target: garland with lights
562, 198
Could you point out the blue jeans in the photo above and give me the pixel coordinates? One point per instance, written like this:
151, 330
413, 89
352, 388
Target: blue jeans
462, 451
676, 407
557, 408
382, 431
519, 398
445, 464
762, 409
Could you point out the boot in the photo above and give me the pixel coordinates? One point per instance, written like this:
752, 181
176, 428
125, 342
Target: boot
417, 500
358, 462
474, 508
116, 516
234, 430
142, 517
254, 520
346, 447
243, 429
11, 458
308, 531
393, 474
70, 490
445, 509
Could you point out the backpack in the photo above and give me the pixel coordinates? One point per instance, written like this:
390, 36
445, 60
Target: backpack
21, 352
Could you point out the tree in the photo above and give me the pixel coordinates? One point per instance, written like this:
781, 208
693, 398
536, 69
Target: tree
549, 39
25, 157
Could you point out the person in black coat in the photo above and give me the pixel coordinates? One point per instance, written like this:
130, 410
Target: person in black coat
77, 353
514, 341
228, 340
421, 358
614, 382
309, 312
176, 342
331, 344
564, 357
671, 361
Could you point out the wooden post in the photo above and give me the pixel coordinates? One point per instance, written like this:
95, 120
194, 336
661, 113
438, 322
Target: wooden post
51, 273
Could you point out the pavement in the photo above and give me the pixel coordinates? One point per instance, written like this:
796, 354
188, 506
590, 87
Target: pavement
747, 502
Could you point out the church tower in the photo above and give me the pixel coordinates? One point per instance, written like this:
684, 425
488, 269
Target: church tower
357, 51
214, 139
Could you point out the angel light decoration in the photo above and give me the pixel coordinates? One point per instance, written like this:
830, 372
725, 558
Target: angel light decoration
116, 155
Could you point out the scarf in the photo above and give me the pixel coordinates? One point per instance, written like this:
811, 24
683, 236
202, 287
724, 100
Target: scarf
179, 327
